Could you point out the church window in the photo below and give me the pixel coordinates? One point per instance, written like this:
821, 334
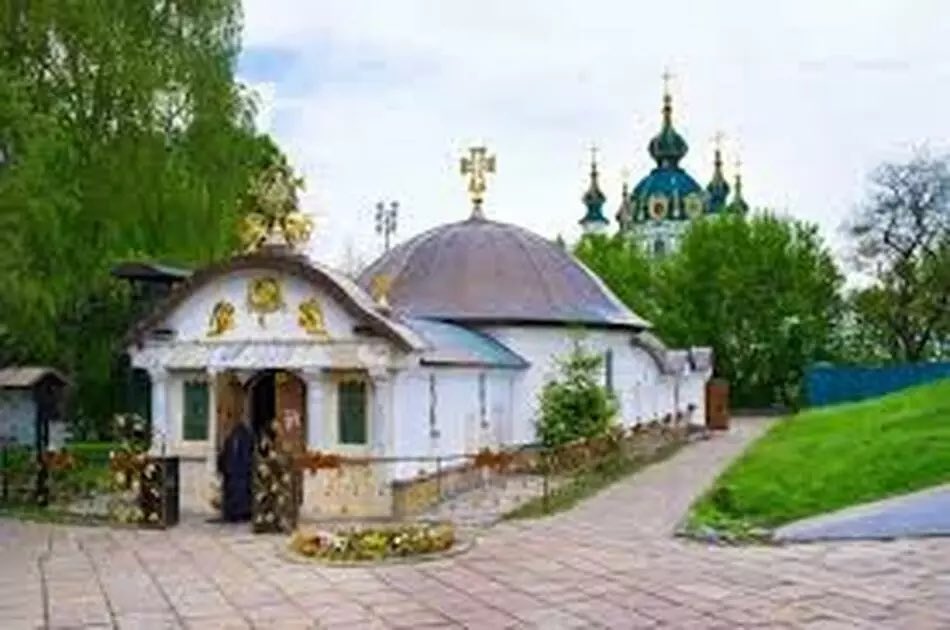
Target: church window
351, 410
195, 411
659, 247
609, 370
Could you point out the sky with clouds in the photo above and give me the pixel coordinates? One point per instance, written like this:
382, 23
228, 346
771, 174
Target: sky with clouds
377, 100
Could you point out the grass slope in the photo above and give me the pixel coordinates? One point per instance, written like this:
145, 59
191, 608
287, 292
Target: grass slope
829, 458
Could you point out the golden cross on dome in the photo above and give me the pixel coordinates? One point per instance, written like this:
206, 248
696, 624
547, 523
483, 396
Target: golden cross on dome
476, 166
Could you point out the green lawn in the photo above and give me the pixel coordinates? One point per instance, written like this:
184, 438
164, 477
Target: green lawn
828, 458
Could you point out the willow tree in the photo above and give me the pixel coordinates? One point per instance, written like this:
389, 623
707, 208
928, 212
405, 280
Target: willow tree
123, 133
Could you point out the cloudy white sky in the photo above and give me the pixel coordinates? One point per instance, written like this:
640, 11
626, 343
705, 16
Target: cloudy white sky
378, 99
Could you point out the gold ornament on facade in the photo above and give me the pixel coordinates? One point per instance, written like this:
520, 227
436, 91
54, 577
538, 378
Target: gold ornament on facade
264, 296
381, 285
476, 166
222, 318
310, 318
273, 216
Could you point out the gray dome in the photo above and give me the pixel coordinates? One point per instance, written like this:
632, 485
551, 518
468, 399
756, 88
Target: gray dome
488, 272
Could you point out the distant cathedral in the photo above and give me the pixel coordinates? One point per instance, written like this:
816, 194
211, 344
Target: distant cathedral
658, 209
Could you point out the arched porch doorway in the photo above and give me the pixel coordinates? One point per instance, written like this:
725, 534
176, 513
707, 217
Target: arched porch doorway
275, 403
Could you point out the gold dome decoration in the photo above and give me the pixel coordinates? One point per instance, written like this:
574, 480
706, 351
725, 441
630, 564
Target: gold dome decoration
310, 318
264, 296
658, 206
222, 319
297, 228
694, 205
271, 213
381, 286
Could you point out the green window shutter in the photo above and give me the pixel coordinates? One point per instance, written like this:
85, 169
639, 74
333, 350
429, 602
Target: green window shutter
195, 410
352, 412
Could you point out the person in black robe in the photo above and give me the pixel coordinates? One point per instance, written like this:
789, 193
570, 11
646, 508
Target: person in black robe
234, 463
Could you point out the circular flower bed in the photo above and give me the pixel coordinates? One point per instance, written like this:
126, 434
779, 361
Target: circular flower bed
375, 543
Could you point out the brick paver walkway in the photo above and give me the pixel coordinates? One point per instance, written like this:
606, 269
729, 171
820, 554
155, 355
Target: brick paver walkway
611, 562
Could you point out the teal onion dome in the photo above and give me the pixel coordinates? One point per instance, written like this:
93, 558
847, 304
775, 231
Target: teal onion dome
738, 204
718, 188
668, 147
594, 199
668, 192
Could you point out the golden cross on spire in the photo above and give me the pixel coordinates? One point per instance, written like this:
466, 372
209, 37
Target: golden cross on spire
476, 166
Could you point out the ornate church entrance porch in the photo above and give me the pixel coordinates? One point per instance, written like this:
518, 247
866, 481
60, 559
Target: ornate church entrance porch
268, 408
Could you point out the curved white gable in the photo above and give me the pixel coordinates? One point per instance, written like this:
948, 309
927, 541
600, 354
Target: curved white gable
191, 320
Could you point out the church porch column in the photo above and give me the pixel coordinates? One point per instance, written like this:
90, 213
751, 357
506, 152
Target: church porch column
211, 462
161, 425
316, 397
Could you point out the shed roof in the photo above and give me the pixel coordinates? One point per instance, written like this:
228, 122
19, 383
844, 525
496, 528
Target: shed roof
24, 376
459, 346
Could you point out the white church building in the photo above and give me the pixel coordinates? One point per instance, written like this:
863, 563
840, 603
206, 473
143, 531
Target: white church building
439, 348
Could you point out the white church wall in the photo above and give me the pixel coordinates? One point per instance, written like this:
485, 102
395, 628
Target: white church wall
191, 319
694, 393
641, 390
462, 423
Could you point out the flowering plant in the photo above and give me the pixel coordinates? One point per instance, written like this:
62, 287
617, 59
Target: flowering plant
375, 543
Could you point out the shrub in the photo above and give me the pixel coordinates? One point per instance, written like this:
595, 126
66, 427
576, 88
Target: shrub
575, 405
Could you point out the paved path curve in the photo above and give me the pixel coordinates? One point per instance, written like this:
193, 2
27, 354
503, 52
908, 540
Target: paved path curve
610, 562
925, 513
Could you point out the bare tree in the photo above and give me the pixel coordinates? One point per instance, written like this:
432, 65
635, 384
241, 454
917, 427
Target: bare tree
902, 238
353, 260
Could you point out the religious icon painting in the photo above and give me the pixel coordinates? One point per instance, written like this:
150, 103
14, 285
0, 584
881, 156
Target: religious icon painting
658, 205
264, 296
222, 319
694, 205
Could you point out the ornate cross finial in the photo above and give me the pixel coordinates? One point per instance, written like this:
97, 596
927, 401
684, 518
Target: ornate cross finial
476, 166
272, 216
667, 77
593, 159
717, 139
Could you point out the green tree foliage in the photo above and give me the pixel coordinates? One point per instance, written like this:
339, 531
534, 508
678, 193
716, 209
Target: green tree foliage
761, 291
123, 134
902, 240
624, 267
575, 405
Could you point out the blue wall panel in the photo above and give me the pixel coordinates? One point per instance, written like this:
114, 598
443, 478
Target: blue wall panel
829, 384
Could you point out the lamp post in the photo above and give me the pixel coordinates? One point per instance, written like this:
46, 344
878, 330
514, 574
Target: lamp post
386, 220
